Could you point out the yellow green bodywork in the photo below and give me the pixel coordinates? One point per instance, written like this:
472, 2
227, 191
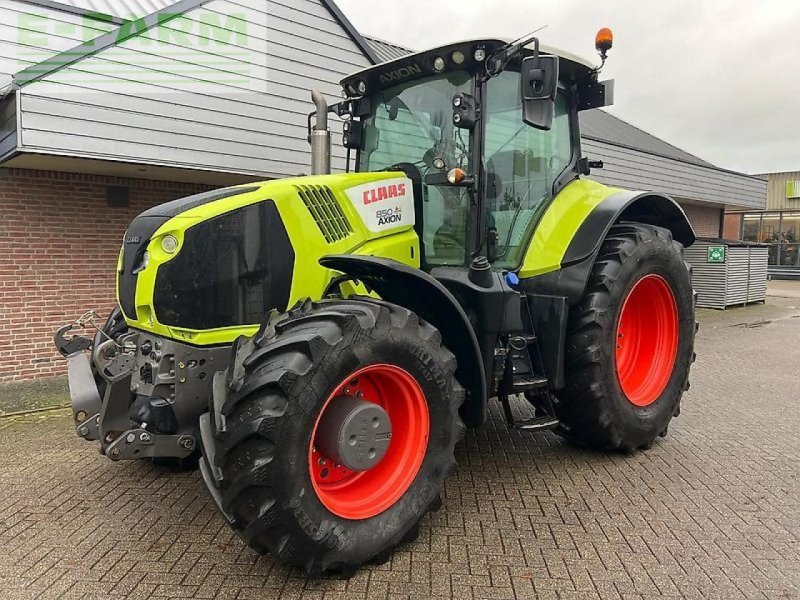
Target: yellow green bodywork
309, 279
554, 232
559, 224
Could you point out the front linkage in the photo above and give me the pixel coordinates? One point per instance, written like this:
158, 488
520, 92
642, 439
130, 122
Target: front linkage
138, 394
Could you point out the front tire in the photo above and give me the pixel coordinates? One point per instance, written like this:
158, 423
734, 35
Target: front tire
630, 342
270, 472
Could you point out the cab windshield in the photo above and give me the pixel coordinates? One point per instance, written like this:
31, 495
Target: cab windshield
413, 123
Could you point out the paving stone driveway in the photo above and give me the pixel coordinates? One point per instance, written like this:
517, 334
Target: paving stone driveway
712, 511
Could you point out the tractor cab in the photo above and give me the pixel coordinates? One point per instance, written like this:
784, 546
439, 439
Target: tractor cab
487, 129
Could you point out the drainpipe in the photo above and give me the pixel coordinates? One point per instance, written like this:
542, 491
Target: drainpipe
320, 137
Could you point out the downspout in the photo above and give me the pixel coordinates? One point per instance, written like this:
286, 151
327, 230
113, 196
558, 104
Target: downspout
320, 137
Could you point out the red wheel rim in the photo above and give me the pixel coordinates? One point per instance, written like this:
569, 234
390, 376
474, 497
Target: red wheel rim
647, 340
361, 495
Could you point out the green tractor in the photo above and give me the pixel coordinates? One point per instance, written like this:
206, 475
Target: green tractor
324, 340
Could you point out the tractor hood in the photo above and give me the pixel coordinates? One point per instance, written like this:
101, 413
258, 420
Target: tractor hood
210, 267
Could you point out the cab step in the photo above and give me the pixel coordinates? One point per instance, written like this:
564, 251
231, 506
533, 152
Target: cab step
544, 423
541, 423
530, 384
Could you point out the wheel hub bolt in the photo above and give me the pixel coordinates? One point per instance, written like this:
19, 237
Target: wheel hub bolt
130, 438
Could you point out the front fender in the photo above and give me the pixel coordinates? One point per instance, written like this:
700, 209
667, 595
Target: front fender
582, 250
419, 292
642, 207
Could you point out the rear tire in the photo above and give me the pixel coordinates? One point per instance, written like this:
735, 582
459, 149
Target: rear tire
621, 393
259, 437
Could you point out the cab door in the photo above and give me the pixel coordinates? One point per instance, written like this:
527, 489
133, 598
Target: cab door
522, 165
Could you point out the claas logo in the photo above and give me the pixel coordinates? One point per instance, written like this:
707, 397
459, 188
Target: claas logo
384, 193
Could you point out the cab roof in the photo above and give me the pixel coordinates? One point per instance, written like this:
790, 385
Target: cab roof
420, 64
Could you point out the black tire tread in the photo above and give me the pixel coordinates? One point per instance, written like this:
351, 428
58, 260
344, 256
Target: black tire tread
583, 407
266, 373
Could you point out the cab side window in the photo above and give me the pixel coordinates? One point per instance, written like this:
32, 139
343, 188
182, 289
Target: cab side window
522, 163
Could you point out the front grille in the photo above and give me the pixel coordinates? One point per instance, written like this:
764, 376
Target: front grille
322, 204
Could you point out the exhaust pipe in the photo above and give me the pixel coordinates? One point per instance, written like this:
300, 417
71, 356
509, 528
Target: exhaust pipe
320, 137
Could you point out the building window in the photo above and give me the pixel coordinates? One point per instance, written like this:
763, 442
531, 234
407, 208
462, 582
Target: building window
781, 230
789, 252
790, 227
770, 228
750, 227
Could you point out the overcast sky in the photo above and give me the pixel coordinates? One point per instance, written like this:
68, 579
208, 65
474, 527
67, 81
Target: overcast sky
717, 78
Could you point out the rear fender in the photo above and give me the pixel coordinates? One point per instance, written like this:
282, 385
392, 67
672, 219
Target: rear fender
419, 292
576, 265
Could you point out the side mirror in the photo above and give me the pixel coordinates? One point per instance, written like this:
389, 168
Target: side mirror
539, 77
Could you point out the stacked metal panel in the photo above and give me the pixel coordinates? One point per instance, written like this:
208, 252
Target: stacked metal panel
740, 279
757, 282
709, 279
737, 261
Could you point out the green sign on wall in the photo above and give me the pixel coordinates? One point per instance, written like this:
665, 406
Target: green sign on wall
716, 254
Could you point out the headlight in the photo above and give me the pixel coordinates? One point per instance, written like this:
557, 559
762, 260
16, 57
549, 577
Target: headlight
169, 244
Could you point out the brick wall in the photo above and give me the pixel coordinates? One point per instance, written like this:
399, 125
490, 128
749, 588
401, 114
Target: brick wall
706, 220
59, 242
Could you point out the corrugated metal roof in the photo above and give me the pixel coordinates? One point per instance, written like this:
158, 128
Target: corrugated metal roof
386, 51
125, 9
596, 123
606, 127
